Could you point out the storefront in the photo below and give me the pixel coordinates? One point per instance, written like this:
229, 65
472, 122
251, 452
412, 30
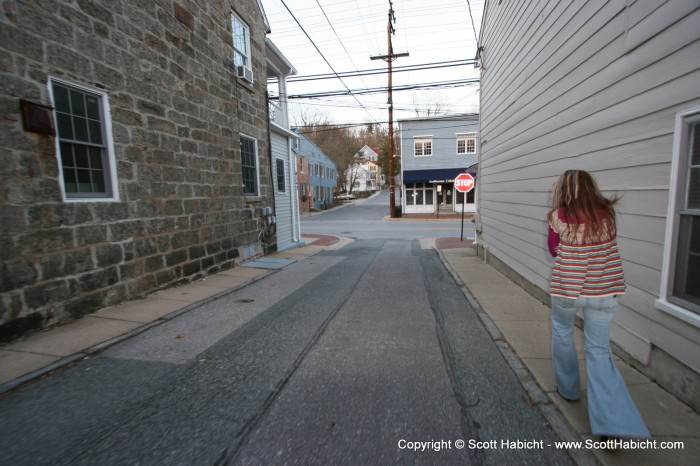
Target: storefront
426, 191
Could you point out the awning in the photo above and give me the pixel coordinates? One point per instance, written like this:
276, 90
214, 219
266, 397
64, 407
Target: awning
438, 175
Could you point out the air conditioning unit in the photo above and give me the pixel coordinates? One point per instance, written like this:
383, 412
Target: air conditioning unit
244, 73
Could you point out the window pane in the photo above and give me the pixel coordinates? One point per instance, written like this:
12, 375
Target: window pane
81, 156
695, 145
428, 196
84, 181
60, 96
687, 276
95, 129
694, 189
77, 103
95, 158
67, 155
70, 180
93, 107
65, 126
80, 127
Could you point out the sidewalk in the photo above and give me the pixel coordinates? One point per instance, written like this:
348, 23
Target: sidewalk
517, 322
520, 324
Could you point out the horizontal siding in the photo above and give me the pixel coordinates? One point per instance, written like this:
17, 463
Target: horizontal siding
283, 201
596, 86
444, 135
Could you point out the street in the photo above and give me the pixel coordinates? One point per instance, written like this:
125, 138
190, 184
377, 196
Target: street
369, 354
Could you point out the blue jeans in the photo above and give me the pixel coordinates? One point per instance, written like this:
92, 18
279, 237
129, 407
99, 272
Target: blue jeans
611, 410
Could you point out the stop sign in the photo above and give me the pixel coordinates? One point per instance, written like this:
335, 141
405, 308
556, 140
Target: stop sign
464, 182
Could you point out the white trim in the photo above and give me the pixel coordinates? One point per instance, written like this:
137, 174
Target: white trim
672, 219
109, 143
257, 166
248, 65
422, 140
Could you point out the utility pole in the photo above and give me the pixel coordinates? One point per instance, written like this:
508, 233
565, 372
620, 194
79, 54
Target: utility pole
390, 57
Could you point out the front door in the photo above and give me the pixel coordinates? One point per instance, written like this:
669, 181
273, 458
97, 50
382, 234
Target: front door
444, 195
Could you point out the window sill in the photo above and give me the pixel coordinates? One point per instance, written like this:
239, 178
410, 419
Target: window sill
90, 199
246, 84
678, 312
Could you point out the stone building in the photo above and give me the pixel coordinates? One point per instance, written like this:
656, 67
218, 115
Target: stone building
134, 139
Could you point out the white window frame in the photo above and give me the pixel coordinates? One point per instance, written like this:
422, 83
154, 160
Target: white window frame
111, 180
423, 142
283, 189
256, 192
677, 190
241, 49
465, 138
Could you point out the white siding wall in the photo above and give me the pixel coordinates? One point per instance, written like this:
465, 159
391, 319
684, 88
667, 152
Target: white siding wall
595, 86
283, 201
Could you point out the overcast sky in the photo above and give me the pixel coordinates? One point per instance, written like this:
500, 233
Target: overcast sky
349, 32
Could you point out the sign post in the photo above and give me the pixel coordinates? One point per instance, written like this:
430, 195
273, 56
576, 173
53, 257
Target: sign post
464, 183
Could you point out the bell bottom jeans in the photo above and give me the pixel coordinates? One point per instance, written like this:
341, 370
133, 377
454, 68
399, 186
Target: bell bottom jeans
611, 410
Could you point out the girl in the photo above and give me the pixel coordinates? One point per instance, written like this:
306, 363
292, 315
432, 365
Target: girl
587, 275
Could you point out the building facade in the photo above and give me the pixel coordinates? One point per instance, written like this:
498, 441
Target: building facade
322, 174
433, 152
286, 220
611, 88
135, 150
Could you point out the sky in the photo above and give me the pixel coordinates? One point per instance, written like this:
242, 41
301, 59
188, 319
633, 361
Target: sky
348, 32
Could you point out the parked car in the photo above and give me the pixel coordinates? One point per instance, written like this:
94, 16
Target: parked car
345, 196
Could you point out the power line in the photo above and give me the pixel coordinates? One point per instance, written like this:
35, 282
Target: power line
322, 56
341, 44
476, 38
398, 69
374, 90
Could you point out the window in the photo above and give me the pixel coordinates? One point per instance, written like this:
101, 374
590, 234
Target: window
680, 293
241, 44
423, 147
281, 179
249, 166
466, 143
84, 145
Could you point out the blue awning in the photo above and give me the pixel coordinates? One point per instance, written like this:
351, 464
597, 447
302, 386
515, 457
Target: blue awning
438, 175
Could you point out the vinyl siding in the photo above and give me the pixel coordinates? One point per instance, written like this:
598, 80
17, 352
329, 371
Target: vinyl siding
283, 201
596, 86
443, 133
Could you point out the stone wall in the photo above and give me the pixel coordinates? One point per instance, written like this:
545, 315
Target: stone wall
177, 109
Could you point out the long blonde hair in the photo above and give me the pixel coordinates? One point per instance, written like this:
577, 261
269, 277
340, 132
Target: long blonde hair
584, 205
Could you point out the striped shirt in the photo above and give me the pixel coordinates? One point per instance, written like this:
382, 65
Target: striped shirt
586, 270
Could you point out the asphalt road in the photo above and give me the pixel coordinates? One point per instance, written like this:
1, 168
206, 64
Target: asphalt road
364, 219
351, 356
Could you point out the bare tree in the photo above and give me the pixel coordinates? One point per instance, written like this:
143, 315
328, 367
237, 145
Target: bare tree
337, 141
430, 105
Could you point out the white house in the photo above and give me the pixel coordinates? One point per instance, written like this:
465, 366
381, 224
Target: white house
284, 175
611, 87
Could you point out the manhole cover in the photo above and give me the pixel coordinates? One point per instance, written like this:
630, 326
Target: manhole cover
246, 300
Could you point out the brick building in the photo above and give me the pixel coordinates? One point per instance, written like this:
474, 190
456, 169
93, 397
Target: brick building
134, 139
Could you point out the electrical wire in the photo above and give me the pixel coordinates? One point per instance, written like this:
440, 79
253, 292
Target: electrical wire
321, 54
476, 38
397, 69
342, 45
374, 90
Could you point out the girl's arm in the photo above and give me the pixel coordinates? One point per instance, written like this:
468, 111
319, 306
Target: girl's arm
552, 241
